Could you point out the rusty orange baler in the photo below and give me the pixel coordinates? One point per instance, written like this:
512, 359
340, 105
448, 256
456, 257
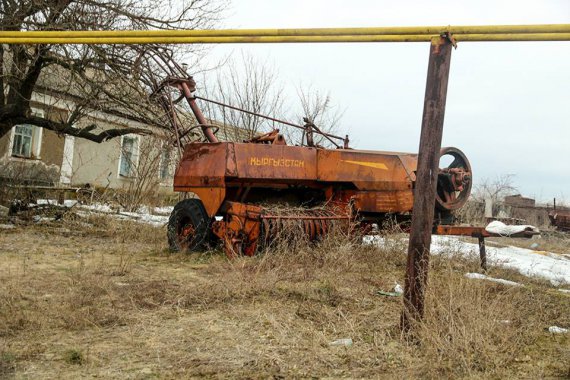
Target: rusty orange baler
236, 184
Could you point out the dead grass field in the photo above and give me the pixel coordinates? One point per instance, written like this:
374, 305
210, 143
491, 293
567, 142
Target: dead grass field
106, 299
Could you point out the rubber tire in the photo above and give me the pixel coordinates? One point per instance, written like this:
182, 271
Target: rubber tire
188, 211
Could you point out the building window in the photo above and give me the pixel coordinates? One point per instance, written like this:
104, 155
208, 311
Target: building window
23, 138
164, 167
129, 155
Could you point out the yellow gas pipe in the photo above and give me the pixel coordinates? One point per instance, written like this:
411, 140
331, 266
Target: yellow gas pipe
554, 32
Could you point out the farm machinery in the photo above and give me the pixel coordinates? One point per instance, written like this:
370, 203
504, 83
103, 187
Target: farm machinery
237, 185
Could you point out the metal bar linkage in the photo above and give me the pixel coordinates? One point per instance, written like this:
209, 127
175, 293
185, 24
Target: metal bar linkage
266, 117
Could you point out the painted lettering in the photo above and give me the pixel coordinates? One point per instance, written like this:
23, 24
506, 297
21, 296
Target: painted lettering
278, 163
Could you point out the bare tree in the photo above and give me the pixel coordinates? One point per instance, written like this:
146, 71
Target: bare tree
253, 85
495, 189
107, 79
319, 109
249, 84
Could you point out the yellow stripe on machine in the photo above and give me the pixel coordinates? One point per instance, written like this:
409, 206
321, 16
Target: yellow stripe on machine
375, 165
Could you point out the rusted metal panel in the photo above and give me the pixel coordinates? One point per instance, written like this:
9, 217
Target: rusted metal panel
384, 201
275, 162
212, 197
560, 219
201, 165
367, 170
461, 231
240, 229
231, 164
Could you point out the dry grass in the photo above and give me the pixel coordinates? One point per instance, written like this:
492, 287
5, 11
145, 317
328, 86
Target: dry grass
104, 298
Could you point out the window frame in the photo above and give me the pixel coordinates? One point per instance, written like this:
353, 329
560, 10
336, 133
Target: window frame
165, 166
134, 160
35, 139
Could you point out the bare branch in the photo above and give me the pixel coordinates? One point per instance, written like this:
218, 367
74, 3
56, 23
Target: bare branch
319, 108
495, 189
110, 79
85, 133
249, 84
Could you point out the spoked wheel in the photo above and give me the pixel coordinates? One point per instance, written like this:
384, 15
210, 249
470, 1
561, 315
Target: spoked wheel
454, 181
188, 226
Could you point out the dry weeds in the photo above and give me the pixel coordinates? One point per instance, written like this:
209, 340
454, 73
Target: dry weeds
104, 298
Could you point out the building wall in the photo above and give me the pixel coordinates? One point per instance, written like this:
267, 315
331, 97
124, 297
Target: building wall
51, 152
53, 143
97, 164
94, 163
518, 200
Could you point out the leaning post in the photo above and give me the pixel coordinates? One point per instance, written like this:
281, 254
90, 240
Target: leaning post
426, 180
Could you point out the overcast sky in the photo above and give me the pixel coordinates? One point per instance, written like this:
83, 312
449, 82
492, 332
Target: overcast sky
508, 103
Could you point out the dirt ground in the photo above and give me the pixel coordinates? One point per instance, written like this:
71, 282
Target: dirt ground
101, 298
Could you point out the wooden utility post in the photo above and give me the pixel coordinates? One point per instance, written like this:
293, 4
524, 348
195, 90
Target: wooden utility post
426, 180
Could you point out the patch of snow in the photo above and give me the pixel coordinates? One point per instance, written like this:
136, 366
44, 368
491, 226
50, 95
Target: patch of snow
564, 290
480, 276
69, 202
142, 217
98, 207
557, 330
546, 265
43, 219
166, 210
156, 220
46, 201
143, 210
552, 267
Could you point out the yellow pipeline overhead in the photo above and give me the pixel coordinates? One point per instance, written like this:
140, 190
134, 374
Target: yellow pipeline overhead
554, 32
284, 39
368, 31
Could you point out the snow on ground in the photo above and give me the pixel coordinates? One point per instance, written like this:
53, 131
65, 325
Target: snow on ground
156, 220
479, 276
546, 265
97, 207
166, 210
159, 217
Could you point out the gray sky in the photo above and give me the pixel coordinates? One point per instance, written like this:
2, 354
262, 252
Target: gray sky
508, 104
